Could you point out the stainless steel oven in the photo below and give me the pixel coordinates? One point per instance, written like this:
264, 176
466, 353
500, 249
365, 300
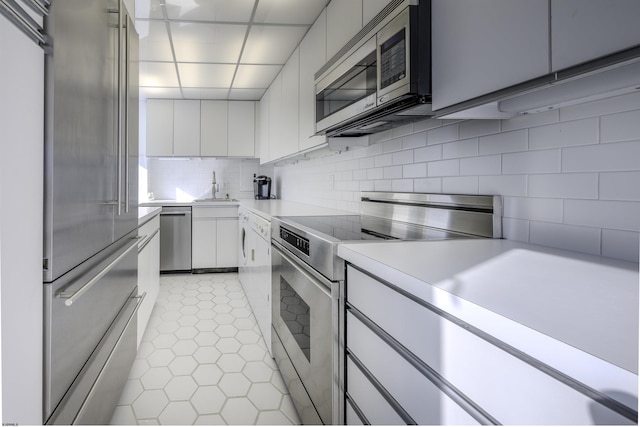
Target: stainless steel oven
304, 310
308, 282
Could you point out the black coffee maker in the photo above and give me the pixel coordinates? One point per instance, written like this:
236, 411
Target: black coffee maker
262, 187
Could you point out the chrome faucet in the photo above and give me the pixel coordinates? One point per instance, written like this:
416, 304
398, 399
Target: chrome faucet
213, 186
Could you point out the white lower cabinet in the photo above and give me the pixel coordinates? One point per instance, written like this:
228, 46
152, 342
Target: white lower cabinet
148, 271
437, 371
214, 240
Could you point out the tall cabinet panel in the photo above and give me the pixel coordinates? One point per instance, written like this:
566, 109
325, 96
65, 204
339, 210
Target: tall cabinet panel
159, 127
213, 128
241, 120
485, 45
344, 20
582, 30
186, 128
290, 89
312, 56
264, 126
275, 117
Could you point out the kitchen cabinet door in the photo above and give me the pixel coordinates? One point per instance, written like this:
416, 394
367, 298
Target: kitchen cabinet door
485, 45
148, 271
344, 20
226, 242
186, 128
275, 118
312, 56
264, 127
370, 8
213, 128
241, 129
582, 30
289, 120
203, 243
159, 128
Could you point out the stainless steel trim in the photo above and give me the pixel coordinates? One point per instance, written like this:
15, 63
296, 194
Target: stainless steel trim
383, 391
126, 111
445, 386
147, 240
356, 410
73, 296
596, 395
16, 15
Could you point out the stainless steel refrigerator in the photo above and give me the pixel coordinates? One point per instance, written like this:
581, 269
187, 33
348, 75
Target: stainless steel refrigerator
91, 205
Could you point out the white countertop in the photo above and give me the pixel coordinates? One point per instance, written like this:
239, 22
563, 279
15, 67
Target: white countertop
145, 213
218, 202
558, 306
276, 207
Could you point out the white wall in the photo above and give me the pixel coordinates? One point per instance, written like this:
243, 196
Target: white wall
569, 178
21, 193
188, 179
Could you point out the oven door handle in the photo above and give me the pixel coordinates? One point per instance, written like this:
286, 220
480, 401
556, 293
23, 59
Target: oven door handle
305, 269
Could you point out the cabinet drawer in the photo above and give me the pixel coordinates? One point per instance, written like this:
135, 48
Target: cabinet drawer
215, 212
373, 405
506, 387
148, 228
418, 396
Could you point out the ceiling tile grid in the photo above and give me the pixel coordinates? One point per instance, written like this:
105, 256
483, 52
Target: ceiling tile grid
218, 49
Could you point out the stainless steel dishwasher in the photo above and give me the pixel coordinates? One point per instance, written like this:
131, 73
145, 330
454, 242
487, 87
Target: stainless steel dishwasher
175, 238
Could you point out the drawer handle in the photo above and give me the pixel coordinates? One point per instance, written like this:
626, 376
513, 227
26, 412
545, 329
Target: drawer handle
71, 297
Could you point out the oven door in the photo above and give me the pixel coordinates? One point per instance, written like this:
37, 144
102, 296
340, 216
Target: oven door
303, 313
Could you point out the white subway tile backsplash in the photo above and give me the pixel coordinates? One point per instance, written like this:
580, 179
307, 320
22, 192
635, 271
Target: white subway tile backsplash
428, 154
460, 185
573, 238
443, 134
547, 210
506, 142
620, 127
543, 161
556, 191
384, 160
620, 186
505, 185
427, 185
472, 128
621, 245
444, 168
393, 172
483, 165
403, 157
530, 120
392, 145
459, 149
402, 185
515, 229
414, 141
603, 214
619, 156
415, 170
602, 107
565, 186
564, 134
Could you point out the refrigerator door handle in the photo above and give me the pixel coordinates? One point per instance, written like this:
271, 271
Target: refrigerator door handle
70, 297
126, 115
119, 113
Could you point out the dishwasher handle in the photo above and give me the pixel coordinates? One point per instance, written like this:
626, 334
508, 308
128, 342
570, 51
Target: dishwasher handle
175, 214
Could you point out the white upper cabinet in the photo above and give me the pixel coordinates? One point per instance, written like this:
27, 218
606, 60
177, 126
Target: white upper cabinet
186, 128
344, 20
482, 46
312, 56
213, 125
160, 127
582, 30
241, 125
275, 118
193, 128
289, 119
264, 126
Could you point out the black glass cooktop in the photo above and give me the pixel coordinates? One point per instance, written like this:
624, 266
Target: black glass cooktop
361, 227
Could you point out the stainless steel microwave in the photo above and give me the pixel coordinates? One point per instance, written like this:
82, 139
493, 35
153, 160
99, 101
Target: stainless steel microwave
382, 78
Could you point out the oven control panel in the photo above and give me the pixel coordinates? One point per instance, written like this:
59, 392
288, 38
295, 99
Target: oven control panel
295, 240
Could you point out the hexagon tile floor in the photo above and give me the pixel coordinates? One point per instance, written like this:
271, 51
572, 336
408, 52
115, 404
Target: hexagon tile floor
202, 360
